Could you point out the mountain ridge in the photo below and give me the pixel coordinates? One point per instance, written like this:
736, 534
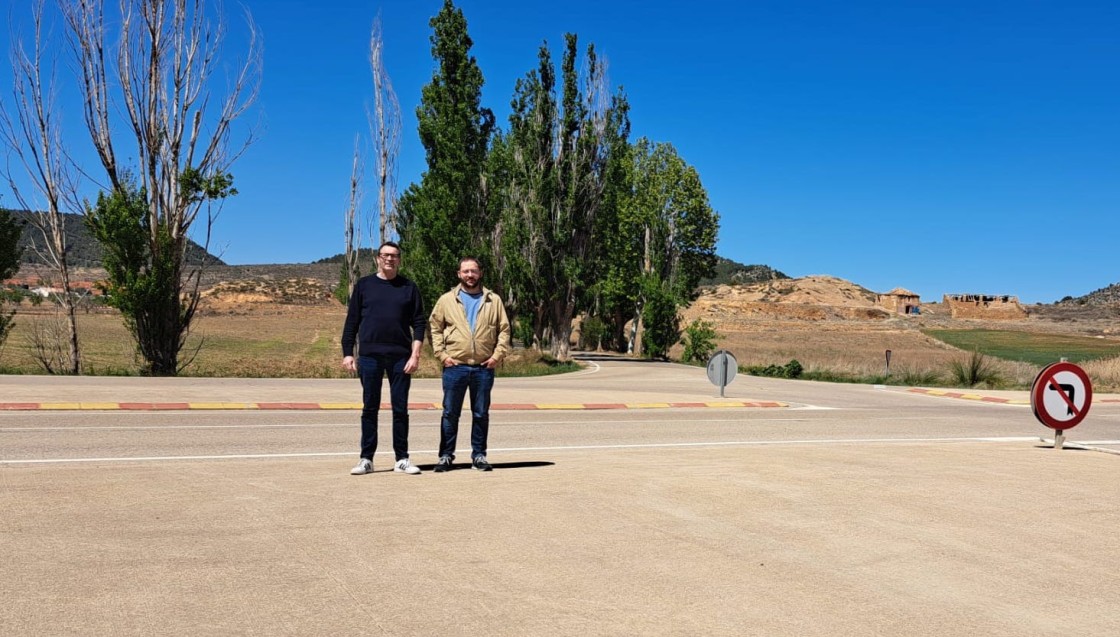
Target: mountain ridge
83, 251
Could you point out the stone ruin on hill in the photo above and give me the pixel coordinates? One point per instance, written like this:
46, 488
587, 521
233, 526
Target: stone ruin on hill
985, 306
901, 301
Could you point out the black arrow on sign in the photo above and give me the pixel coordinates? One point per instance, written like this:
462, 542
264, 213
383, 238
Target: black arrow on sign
1068, 390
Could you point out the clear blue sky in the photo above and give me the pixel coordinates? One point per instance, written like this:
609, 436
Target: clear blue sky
939, 145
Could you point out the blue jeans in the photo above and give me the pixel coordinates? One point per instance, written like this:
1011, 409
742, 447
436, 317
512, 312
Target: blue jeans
371, 369
456, 381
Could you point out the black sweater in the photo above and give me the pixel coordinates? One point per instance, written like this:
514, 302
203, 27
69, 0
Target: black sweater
384, 317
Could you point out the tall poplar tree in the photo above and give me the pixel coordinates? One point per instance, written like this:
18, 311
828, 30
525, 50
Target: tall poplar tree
446, 215
530, 161
560, 158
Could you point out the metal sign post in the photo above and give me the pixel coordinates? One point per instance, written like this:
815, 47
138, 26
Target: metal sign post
722, 367
888, 363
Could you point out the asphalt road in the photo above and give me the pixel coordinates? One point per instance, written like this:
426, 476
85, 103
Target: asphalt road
849, 511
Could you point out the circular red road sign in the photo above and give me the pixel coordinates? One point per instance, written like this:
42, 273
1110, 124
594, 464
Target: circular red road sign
1061, 395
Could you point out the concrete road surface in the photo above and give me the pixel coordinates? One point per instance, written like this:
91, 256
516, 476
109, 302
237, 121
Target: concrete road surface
849, 511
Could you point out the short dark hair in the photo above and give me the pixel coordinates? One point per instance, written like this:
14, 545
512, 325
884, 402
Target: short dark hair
475, 259
391, 244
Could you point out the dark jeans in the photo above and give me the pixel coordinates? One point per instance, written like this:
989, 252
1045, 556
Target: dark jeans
371, 369
456, 381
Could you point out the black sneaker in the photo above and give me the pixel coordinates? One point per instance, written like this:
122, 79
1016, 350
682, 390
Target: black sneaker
481, 464
444, 464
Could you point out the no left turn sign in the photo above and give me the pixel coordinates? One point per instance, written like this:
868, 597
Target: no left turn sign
1061, 396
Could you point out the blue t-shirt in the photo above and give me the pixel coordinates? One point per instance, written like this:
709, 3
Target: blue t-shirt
471, 303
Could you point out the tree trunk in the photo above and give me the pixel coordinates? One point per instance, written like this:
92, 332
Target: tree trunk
563, 310
71, 322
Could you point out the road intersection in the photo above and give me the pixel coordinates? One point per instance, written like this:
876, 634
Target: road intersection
841, 510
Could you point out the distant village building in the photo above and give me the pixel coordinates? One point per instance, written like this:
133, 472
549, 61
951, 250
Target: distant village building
984, 306
900, 301
38, 287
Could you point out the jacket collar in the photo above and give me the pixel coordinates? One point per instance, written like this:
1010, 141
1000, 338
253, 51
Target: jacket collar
485, 292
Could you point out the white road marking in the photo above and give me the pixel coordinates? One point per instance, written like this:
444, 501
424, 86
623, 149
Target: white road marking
502, 423
583, 372
665, 445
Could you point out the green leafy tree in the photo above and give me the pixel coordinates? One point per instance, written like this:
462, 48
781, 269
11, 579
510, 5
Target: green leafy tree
620, 256
446, 215
139, 270
345, 285
10, 231
667, 239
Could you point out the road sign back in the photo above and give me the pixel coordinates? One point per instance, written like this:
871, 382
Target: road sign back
721, 369
1061, 396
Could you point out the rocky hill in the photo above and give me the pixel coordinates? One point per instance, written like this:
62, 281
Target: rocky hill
1105, 296
811, 298
233, 286
729, 272
83, 251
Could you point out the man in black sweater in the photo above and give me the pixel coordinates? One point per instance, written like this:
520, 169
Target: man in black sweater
386, 319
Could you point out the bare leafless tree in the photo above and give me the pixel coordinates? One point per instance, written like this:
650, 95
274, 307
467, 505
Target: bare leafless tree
33, 135
43, 341
165, 57
385, 128
353, 226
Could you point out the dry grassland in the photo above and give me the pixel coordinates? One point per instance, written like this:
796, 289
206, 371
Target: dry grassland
237, 334
854, 350
829, 325
269, 341
242, 340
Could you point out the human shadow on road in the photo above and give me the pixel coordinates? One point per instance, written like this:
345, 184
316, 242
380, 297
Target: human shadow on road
457, 466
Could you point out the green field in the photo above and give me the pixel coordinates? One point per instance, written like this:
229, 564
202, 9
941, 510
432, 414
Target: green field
1030, 347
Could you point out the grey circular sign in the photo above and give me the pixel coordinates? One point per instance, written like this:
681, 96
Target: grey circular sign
722, 367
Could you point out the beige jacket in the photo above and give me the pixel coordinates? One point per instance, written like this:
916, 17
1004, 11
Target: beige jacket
452, 336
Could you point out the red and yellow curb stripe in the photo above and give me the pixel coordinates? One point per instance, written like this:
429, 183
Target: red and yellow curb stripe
941, 393
304, 406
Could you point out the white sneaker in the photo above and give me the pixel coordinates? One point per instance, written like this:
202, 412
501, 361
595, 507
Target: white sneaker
364, 466
406, 466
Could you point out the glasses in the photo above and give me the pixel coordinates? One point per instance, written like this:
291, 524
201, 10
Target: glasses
389, 257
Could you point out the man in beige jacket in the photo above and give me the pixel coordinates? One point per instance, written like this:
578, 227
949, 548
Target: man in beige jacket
470, 335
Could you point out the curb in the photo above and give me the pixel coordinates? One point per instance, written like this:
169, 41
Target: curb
221, 406
952, 394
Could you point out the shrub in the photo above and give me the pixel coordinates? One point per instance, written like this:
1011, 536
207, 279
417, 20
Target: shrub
792, 369
918, 378
974, 370
592, 331
699, 341
522, 330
